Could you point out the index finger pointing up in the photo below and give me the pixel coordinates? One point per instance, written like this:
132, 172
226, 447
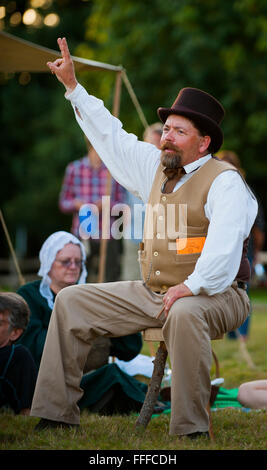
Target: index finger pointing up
63, 46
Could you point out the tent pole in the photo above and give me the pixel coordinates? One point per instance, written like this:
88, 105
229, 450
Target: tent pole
117, 95
105, 223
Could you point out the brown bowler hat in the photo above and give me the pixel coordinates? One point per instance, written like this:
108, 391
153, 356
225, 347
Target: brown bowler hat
203, 109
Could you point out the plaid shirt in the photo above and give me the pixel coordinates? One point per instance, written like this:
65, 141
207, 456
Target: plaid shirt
87, 184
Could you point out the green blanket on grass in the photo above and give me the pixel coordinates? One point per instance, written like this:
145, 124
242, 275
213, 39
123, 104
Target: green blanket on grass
130, 393
227, 398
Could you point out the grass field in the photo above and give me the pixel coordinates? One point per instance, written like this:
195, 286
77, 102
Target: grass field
234, 429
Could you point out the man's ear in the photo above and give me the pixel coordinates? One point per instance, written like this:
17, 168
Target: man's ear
15, 334
204, 144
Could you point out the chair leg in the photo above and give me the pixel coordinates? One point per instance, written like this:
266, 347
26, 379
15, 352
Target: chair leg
154, 387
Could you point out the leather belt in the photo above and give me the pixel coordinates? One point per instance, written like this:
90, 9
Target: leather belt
242, 285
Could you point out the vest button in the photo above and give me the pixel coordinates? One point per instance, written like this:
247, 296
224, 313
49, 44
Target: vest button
157, 273
163, 198
155, 253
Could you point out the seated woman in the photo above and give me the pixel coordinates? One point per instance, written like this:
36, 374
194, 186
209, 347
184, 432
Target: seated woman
253, 394
62, 263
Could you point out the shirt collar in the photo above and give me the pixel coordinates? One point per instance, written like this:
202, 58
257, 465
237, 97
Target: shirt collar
197, 163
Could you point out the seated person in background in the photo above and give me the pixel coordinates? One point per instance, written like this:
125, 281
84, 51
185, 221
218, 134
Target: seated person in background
18, 372
253, 394
62, 263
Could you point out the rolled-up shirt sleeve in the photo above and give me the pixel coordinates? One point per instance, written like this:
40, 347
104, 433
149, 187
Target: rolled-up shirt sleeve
231, 209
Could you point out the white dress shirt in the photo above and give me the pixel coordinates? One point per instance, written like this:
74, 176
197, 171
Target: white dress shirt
231, 207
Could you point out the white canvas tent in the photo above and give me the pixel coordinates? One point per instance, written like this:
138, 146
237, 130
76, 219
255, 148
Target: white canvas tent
18, 55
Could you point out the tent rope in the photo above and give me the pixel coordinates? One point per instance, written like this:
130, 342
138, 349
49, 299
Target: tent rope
134, 99
21, 278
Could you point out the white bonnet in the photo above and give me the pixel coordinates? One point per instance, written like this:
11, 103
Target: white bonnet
47, 255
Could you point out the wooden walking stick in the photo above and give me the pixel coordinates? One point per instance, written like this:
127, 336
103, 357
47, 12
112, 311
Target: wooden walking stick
21, 278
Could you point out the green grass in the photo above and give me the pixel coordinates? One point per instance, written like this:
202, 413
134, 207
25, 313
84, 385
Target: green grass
258, 295
233, 365
234, 429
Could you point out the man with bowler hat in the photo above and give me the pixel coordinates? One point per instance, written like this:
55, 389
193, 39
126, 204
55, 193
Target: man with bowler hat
193, 257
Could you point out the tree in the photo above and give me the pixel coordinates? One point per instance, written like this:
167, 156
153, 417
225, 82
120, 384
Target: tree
165, 45
39, 133
217, 46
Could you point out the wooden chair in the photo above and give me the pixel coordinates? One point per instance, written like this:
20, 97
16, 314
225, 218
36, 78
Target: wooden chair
155, 335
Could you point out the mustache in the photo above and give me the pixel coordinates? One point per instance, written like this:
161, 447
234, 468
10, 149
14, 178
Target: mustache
168, 147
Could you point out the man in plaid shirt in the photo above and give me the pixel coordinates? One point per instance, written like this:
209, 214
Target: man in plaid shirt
85, 181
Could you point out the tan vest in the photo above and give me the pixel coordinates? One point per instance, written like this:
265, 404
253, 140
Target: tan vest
176, 226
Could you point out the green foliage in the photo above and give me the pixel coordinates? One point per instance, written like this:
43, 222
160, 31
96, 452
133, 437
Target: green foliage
164, 46
46, 139
39, 134
217, 46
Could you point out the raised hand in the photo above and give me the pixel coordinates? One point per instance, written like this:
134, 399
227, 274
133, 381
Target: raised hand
63, 67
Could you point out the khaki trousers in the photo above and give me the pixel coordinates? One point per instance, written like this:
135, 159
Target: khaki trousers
84, 312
